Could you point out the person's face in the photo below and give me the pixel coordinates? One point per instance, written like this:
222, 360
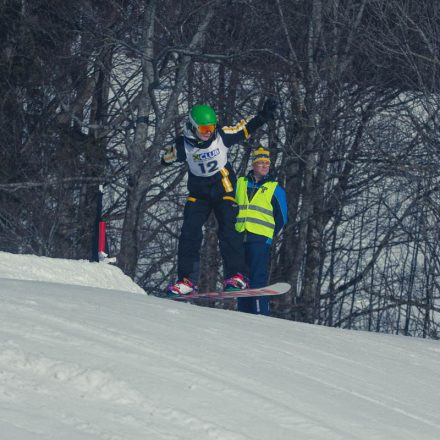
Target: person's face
204, 132
261, 168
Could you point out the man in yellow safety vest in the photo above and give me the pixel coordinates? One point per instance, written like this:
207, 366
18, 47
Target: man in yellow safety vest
262, 215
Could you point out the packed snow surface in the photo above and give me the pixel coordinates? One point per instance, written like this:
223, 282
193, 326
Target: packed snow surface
85, 354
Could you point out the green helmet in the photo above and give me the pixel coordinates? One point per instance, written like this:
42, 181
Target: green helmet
202, 115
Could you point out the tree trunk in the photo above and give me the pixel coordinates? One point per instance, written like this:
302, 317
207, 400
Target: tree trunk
141, 158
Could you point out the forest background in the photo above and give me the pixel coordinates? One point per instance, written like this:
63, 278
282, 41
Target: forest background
93, 91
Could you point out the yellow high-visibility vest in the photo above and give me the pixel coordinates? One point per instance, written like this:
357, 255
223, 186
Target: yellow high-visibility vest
255, 216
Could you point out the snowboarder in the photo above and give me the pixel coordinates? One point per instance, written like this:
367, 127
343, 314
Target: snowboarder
211, 183
262, 215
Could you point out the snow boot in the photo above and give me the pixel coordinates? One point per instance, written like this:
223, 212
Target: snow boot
237, 282
181, 287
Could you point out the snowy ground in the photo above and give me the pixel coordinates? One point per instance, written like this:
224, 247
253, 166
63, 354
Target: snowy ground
81, 361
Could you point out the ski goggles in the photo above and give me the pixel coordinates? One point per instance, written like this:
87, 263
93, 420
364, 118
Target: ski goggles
206, 129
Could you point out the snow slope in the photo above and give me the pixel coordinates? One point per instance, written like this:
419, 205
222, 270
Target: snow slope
81, 361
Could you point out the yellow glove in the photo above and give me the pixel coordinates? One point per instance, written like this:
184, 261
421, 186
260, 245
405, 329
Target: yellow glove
170, 155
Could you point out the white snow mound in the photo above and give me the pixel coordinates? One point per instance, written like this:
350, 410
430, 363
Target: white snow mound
73, 272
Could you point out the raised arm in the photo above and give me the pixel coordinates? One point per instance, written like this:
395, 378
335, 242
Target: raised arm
238, 133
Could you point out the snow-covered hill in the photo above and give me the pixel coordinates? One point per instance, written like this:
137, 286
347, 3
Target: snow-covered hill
81, 361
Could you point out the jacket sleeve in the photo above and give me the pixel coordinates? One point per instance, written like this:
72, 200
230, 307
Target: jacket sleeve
180, 152
279, 204
232, 135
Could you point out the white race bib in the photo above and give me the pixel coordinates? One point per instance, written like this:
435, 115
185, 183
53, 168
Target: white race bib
205, 162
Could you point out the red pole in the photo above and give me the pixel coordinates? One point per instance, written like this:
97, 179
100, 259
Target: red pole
101, 238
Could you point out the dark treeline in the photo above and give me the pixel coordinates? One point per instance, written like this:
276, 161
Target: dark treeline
92, 91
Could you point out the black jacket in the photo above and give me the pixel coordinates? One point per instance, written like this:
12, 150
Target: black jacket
230, 136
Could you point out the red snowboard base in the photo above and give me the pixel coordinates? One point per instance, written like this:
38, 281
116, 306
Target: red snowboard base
272, 290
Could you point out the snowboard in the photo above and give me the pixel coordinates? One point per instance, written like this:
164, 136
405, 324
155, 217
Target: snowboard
271, 290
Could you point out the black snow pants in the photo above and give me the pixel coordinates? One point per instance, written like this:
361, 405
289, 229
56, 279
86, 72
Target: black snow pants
210, 195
